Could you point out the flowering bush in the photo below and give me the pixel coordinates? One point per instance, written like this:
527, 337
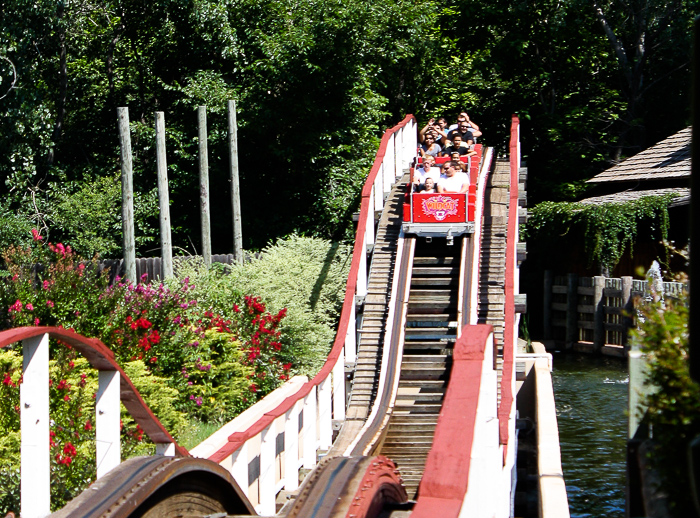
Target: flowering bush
187, 359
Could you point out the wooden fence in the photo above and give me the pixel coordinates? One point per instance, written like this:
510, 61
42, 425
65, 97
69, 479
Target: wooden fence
594, 312
150, 267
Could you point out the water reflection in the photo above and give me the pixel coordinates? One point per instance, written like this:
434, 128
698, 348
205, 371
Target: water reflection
591, 401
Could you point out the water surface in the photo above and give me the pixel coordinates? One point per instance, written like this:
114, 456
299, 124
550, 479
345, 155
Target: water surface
591, 401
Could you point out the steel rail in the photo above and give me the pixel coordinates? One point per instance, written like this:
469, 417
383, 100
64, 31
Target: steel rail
160, 487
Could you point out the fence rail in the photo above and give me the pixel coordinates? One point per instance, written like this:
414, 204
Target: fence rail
594, 311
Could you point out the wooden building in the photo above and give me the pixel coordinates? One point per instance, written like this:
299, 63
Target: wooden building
662, 169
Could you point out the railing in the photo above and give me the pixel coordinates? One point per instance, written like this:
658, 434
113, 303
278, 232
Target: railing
114, 386
266, 456
594, 313
464, 467
506, 410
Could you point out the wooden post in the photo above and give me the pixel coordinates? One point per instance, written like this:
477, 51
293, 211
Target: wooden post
235, 187
627, 309
204, 186
127, 195
547, 309
166, 248
599, 313
571, 310
35, 467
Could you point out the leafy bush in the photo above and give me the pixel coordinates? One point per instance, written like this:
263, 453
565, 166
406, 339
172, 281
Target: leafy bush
305, 275
200, 349
673, 410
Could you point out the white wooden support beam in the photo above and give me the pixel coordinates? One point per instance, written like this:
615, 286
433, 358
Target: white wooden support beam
369, 229
325, 420
390, 164
35, 467
361, 286
351, 337
107, 440
338, 374
310, 436
378, 191
267, 471
167, 449
239, 467
291, 448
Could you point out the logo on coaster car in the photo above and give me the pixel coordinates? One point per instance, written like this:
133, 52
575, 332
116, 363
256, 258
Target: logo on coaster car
440, 207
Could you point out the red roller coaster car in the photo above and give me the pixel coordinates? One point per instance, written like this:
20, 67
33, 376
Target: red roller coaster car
447, 214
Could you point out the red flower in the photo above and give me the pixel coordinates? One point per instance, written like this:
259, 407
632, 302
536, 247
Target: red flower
88, 425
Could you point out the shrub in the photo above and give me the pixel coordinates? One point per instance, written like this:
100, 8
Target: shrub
673, 409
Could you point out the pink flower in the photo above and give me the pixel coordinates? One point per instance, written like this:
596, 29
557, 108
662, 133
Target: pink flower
29, 307
50, 303
35, 235
36, 321
17, 306
46, 285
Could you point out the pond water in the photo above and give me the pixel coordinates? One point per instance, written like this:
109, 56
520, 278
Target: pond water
591, 401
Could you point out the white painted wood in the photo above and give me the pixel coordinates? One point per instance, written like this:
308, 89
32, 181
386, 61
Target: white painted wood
390, 164
369, 228
378, 191
351, 337
325, 421
167, 449
310, 436
338, 377
239, 467
291, 448
267, 471
361, 286
35, 467
107, 441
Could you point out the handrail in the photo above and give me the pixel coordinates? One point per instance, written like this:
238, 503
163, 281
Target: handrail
397, 147
456, 443
114, 386
509, 336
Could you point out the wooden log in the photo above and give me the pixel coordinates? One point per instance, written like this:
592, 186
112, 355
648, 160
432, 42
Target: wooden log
599, 315
166, 249
571, 310
129, 241
627, 309
547, 313
204, 185
235, 187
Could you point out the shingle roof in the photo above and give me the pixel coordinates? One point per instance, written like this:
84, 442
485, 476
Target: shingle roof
670, 158
682, 196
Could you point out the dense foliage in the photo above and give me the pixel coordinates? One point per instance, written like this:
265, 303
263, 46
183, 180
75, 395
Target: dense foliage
607, 229
314, 81
673, 407
199, 349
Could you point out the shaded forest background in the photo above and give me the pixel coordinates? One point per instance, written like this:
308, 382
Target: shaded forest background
316, 82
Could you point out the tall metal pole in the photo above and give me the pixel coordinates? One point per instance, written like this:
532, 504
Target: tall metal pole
204, 185
235, 188
166, 254
127, 195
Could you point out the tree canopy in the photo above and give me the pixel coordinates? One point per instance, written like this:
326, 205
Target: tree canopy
315, 83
